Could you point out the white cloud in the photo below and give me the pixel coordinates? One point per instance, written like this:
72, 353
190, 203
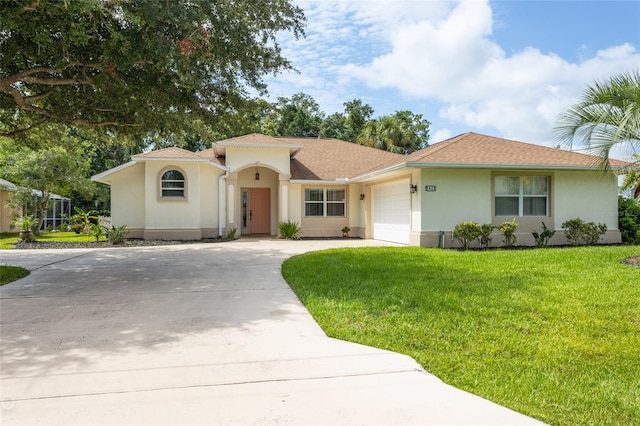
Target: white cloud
454, 60
440, 135
440, 57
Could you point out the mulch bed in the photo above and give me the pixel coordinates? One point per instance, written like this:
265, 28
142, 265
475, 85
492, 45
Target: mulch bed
633, 260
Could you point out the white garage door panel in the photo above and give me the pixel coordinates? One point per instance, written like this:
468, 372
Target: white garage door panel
391, 212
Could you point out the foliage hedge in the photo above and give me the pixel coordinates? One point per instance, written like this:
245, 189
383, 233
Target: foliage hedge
629, 220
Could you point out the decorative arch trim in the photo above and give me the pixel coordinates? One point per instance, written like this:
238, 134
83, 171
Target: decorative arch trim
172, 184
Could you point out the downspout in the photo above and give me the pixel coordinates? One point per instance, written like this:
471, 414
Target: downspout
221, 200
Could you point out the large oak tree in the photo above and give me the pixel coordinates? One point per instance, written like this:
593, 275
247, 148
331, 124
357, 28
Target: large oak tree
139, 64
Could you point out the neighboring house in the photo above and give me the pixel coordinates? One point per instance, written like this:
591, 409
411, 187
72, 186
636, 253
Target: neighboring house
6, 189
59, 206
254, 182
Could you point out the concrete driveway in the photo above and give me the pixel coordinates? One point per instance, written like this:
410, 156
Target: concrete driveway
198, 334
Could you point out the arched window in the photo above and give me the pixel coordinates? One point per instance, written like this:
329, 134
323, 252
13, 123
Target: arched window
172, 184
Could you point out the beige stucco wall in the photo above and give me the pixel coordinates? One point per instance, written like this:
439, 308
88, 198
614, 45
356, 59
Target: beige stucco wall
591, 196
209, 198
169, 213
461, 195
237, 158
467, 195
296, 203
127, 198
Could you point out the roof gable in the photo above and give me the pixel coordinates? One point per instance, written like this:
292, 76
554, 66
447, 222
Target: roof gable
172, 152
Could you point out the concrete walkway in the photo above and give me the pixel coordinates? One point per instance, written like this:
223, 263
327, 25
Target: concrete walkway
198, 334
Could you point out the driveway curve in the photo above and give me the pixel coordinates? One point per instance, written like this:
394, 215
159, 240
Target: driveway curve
198, 334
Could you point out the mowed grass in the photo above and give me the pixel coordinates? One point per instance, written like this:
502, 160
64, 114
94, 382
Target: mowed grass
551, 333
11, 273
8, 240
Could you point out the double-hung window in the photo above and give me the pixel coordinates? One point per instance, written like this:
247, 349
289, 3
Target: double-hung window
324, 202
522, 195
172, 184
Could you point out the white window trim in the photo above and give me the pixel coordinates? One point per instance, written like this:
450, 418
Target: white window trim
521, 195
324, 201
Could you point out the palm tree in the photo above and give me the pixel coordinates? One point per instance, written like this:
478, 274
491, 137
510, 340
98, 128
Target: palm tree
607, 115
389, 133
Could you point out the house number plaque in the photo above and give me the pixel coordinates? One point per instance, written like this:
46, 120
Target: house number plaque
430, 188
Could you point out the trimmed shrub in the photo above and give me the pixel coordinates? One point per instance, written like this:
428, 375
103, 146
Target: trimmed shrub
466, 232
508, 230
579, 232
485, 234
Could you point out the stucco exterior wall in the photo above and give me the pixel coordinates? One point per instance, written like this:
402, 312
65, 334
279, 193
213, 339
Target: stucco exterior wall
238, 158
296, 198
467, 195
172, 213
209, 199
356, 210
461, 195
591, 196
127, 199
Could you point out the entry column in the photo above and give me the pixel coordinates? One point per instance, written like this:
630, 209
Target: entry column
283, 196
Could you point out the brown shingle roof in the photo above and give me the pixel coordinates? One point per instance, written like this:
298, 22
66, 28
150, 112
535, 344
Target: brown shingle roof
255, 139
331, 159
473, 148
171, 152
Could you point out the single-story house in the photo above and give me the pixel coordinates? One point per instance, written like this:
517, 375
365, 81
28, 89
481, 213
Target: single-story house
59, 206
254, 182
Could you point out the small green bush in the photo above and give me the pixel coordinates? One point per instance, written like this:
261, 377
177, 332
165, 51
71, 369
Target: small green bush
485, 234
579, 232
117, 234
542, 238
289, 230
231, 234
96, 231
508, 230
629, 220
466, 232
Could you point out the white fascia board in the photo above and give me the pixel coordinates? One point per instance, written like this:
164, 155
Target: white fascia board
320, 182
501, 166
182, 159
378, 173
100, 177
218, 166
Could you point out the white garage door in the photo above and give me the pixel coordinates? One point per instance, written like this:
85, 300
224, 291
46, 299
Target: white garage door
391, 213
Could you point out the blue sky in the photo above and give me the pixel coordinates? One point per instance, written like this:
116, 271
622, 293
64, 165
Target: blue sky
503, 68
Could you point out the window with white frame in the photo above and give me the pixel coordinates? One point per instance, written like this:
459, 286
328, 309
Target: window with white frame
172, 184
324, 202
521, 195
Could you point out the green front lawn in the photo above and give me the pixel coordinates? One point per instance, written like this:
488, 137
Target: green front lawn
11, 273
551, 333
8, 240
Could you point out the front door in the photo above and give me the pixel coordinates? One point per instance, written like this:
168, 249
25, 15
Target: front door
260, 210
